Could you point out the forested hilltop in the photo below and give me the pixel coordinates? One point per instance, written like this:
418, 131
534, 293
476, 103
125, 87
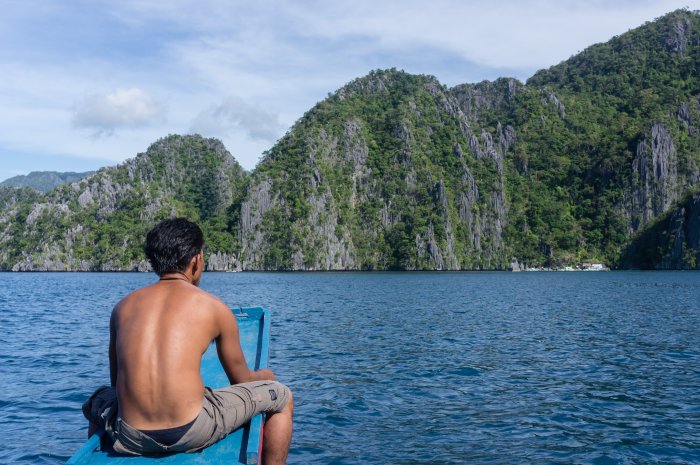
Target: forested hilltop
44, 181
594, 159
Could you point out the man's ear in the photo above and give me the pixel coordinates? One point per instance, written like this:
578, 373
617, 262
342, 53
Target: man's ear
195, 262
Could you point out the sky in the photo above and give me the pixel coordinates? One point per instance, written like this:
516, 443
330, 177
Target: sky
89, 83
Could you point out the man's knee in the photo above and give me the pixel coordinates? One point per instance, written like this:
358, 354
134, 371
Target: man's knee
268, 396
288, 407
281, 396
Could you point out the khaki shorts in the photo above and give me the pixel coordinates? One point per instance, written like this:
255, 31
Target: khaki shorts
223, 410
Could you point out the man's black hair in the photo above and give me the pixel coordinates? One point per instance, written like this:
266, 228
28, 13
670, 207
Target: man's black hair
172, 243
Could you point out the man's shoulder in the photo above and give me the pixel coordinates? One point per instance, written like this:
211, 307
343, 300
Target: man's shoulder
134, 295
206, 296
208, 301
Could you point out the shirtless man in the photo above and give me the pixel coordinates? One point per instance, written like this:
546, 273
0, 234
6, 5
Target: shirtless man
157, 402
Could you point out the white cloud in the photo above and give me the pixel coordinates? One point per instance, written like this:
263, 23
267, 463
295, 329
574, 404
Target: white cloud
236, 114
123, 108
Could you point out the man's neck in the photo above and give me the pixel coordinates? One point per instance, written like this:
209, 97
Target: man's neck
179, 276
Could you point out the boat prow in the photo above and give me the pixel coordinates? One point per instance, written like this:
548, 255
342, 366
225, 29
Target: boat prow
241, 446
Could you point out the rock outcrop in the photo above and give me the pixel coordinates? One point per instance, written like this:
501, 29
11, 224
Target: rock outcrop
655, 176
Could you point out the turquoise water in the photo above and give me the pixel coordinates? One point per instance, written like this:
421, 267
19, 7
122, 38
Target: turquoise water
400, 368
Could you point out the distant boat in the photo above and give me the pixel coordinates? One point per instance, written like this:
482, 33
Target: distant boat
243, 446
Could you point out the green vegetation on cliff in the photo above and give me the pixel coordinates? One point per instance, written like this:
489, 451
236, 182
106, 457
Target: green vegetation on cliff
630, 134
372, 176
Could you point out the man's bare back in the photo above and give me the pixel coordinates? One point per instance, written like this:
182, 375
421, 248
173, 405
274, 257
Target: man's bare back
161, 332
158, 335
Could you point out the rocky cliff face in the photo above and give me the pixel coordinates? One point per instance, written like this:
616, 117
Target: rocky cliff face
660, 174
671, 243
655, 175
99, 223
381, 175
657, 179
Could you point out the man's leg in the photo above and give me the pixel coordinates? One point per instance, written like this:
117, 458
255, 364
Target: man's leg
278, 434
231, 407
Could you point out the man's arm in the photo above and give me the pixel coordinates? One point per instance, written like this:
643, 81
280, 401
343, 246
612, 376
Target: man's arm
113, 367
228, 346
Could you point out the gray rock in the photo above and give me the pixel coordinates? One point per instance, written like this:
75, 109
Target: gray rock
549, 97
220, 261
677, 40
655, 178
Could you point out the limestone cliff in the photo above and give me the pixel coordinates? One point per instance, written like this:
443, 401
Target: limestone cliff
380, 175
99, 223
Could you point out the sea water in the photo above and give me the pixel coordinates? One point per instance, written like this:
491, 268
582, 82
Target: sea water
402, 368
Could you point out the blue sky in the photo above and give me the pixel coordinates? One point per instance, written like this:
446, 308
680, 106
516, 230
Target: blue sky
90, 83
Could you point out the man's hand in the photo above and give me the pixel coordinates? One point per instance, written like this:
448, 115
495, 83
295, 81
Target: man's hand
264, 374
